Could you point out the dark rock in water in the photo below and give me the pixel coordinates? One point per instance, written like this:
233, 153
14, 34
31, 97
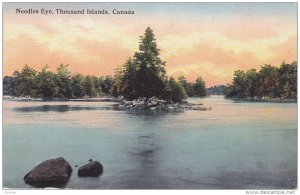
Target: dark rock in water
92, 169
91, 160
50, 173
76, 165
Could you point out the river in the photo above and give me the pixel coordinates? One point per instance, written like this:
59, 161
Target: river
236, 145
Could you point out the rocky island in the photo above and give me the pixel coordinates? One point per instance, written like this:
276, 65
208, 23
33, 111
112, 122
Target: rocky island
155, 104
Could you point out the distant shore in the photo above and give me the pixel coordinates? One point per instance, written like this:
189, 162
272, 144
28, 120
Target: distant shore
270, 100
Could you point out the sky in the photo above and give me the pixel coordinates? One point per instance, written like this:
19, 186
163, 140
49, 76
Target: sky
210, 40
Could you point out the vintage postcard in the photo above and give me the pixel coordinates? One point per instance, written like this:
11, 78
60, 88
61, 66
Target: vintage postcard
150, 96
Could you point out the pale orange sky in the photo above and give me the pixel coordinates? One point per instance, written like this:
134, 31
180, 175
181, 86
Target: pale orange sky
196, 39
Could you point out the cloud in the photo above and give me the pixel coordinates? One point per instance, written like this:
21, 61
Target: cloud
211, 46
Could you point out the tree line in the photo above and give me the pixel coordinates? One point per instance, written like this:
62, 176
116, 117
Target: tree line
62, 84
143, 75
59, 84
269, 81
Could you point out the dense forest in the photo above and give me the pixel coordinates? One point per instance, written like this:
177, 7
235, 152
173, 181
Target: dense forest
268, 82
143, 75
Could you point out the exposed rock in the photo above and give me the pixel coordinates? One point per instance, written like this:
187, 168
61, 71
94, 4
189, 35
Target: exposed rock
153, 108
154, 104
92, 169
50, 173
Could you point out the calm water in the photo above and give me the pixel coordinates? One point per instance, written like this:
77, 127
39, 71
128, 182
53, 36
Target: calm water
234, 145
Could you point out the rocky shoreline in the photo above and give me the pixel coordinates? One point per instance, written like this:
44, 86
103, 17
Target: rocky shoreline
155, 104
152, 104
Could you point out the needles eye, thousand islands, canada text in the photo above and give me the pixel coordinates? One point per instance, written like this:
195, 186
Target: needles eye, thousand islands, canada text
75, 12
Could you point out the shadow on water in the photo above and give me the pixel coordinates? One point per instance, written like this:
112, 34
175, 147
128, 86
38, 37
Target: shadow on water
145, 155
58, 108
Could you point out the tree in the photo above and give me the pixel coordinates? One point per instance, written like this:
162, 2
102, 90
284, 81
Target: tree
188, 87
64, 82
97, 84
107, 84
89, 86
25, 82
288, 80
128, 80
199, 88
78, 86
46, 84
174, 90
150, 71
238, 88
251, 82
268, 81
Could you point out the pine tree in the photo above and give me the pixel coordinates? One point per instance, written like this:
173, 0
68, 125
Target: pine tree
150, 68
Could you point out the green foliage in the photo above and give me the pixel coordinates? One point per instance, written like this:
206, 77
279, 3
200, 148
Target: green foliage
77, 86
64, 82
174, 91
251, 80
107, 84
188, 87
270, 81
287, 85
199, 88
25, 83
143, 75
46, 84
97, 84
128, 84
89, 86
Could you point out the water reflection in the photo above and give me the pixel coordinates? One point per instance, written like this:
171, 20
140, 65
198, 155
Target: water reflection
57, 108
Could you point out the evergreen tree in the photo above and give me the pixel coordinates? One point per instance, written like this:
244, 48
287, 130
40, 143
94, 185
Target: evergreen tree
64, 82
107, 84
188, 87
268, 81
150, 68
199, 88
25, 82
287, 84
251, 81
78, 86
175, 92
128, 80
46, 84
89, 86
97, 84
